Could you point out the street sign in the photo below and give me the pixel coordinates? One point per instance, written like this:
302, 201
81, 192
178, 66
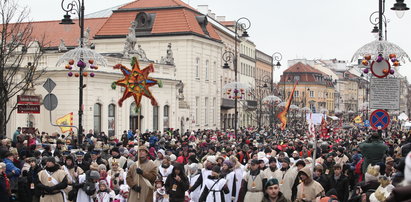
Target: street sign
380, 69
49, 85
50, 102
28, 99
28, 109
367, 123
385, 93
379, 119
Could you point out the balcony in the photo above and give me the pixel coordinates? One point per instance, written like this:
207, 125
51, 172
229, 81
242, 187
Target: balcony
227, 103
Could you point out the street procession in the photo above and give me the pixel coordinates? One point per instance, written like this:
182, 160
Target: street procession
171, 101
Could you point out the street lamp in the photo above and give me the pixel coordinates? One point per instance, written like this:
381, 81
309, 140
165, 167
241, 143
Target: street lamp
77, 7
374, 20
400, 7
228, 55
276, 57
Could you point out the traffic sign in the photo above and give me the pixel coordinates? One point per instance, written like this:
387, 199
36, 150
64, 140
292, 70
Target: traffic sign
50, 102
28, 109
28, 99
379, 119
49, 85
367, 123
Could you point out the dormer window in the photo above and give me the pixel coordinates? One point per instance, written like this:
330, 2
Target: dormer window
144, 21
203, 22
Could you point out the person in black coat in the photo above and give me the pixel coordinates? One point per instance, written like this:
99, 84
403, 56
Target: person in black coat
340, 183
4, 189
321, 178
32, 178
177, 184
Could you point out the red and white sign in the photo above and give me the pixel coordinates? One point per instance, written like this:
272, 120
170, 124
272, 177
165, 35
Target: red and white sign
28, 99
28, 109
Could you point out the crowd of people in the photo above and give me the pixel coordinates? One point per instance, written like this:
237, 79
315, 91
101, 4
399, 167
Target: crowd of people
352, 164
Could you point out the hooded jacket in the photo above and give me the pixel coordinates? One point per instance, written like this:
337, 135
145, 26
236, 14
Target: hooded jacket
310, 189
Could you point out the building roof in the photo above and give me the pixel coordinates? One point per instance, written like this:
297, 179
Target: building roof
228, 23
155, 4
171, 17
302, 68
52, 31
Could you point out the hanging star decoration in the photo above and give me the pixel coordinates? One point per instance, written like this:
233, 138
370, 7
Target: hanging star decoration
137, 82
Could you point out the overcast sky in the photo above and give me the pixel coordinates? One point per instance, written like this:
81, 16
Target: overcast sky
311, 29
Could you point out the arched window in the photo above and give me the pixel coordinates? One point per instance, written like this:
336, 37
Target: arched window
166, 116
134, 117
97, 118
111, 119
155, 118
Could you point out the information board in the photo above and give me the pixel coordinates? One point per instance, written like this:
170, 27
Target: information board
385, 93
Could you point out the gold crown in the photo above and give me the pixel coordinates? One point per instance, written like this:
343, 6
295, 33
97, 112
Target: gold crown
373, 170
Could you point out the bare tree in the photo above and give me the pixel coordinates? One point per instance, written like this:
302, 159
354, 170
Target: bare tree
17, 44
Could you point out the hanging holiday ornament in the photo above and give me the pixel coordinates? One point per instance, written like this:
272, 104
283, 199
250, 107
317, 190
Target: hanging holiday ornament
71, 62
385, 71
367, 57
392, 55
92, 74
81, 64
365, 62
366, 70
392, 71
91, 61
396, 63
67, 66
393, 59
380, 58
76, 74
70, 74
85, 74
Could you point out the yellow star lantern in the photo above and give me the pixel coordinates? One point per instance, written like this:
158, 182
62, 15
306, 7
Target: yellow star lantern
137, 82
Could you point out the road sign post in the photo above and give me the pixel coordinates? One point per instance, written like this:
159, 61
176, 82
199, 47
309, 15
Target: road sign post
379, 119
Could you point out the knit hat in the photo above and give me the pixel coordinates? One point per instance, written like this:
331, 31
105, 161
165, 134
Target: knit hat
162, 152
270, 182
51, 159
228, 163
115, 149
286, 160
173, 157
102, 167
193, 167
212, 159
272, 160
94, 175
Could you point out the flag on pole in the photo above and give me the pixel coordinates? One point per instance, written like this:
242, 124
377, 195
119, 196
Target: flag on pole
65, 120
358, 119
324, 128
283, 115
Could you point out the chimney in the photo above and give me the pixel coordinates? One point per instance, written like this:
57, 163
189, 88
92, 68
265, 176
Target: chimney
203, 9
212, 15
220, 18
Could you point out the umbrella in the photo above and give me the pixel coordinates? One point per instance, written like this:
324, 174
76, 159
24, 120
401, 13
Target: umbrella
294, 107
271, 99
282, 104
82, 53
305, 109
323, 111
238, 89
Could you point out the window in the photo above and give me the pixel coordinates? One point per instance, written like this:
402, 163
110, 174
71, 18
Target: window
197, 112
134, 116
155, 118
205, 110
166, 116
197, 68
296, 78
206, 70
111, 119
296, 94
97, 118
311, 93
213, 110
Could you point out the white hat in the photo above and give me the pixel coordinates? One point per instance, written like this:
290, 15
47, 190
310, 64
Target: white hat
260, 155
162, 152
173, 157
193, 167
212, 159
407, 169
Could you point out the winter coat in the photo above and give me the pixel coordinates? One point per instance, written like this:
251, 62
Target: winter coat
4, 193
309, 190
150, 173
176, 190
341, 186
400, 194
